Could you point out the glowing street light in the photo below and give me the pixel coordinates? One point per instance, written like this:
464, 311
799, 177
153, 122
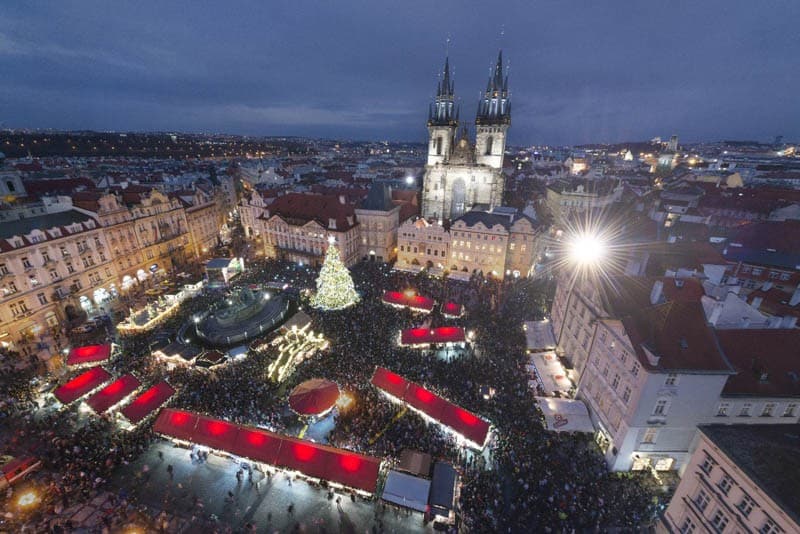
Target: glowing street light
410, 180
586, 250
28, 499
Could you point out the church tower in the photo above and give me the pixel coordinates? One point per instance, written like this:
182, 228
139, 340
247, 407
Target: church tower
442, 119
493, 119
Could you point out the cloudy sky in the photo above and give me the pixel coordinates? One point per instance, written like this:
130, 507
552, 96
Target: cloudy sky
579, 71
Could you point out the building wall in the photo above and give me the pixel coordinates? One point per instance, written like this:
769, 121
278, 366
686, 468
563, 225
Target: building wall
307, 243
378, 233
478, 248
480, 185
713, 487
420, 243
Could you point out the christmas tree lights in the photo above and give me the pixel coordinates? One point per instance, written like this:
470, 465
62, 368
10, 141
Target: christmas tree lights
335, 289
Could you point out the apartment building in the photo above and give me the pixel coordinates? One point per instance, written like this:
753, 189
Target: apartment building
740, 478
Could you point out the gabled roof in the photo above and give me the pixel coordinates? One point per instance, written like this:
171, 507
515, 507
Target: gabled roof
303, 208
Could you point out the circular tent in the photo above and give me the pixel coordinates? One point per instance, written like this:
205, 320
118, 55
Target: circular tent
314, 397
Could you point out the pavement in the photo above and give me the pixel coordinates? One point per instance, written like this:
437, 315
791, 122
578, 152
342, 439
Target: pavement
263, 503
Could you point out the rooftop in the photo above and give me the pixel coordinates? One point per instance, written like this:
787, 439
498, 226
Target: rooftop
765, 360
310, 207
42, 222
768, 454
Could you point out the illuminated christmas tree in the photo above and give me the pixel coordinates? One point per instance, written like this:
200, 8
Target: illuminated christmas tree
335, 289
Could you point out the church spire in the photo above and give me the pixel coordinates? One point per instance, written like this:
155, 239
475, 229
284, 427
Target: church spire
443, 109
494, 106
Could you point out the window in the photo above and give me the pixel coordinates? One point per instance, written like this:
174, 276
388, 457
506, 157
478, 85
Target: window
769, 409
688, 526
746, 505
661, 407
719, 521
635, 369
42, 298
53, 274
702, 499
615, 381
26, 263
671, 380
725, 484
722, 409
3, 269
769, 527
626, 395
746, 407
650, 435
70, 268
45, 256
790, 410
708, 465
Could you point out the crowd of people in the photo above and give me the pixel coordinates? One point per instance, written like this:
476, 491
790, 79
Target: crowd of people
533, 478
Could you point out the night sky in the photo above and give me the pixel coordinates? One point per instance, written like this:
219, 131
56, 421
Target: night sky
579, 71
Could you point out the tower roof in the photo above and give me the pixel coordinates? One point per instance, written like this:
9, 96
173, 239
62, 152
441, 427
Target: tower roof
442, 111
494, 107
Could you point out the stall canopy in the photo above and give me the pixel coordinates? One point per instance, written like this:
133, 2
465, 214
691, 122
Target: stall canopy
311, 459
113, 393
89, 354
415, 462
565, 415
549, 372
470, 426
443, 489
426, 336
406, 490
452, 309
147, 402
314, 396
81, 385
539, 335
408, 300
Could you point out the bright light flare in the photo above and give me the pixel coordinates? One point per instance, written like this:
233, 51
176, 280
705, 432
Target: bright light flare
27, 499
587, 249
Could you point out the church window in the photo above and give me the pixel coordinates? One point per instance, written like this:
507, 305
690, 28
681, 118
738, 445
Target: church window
439, 146
489, 143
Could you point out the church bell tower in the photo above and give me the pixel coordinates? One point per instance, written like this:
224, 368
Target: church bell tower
493, 119
442, 119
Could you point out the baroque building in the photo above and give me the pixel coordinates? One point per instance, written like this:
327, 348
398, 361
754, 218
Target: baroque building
458, 173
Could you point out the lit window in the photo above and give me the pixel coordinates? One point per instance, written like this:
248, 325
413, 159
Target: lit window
769, 409
650, 435
722, 409
790, 410
746, 407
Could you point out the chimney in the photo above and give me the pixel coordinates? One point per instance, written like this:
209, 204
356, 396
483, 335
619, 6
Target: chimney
757, 302
342, 199
655, 293
795, 300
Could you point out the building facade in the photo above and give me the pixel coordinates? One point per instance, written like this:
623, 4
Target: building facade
740, 478
458, 174
378, 220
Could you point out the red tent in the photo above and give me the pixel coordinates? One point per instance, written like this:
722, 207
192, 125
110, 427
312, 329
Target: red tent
314, 396
417, 302
110, 395
89, 354
425, 336
390, 382
304, 456
425, 401
176, 424
465, 423
215, 434
259, 445
81, 385
452, 309
148, 401
354, 470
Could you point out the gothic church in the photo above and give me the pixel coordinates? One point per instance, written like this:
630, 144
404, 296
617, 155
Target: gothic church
458, 174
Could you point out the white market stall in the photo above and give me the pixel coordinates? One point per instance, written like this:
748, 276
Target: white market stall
549, 372
565, 415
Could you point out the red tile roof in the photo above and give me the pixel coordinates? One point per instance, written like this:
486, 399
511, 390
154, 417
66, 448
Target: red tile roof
300, 208
765, 360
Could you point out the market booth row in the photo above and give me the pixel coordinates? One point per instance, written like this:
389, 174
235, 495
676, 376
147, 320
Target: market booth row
408, 299
312, 460
425, 337
473, 430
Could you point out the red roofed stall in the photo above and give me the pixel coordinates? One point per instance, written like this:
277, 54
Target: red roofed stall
81, 385
452, 310
390, 382
404, 300
147, 402
425, 336
89, 354
465, 423
338, 466
113, 393
176, 424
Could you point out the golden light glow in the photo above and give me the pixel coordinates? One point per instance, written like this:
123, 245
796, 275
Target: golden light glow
27, 499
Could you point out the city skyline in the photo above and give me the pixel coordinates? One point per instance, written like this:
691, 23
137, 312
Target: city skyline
577, 75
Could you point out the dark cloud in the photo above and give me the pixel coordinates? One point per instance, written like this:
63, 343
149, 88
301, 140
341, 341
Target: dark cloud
601, 71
